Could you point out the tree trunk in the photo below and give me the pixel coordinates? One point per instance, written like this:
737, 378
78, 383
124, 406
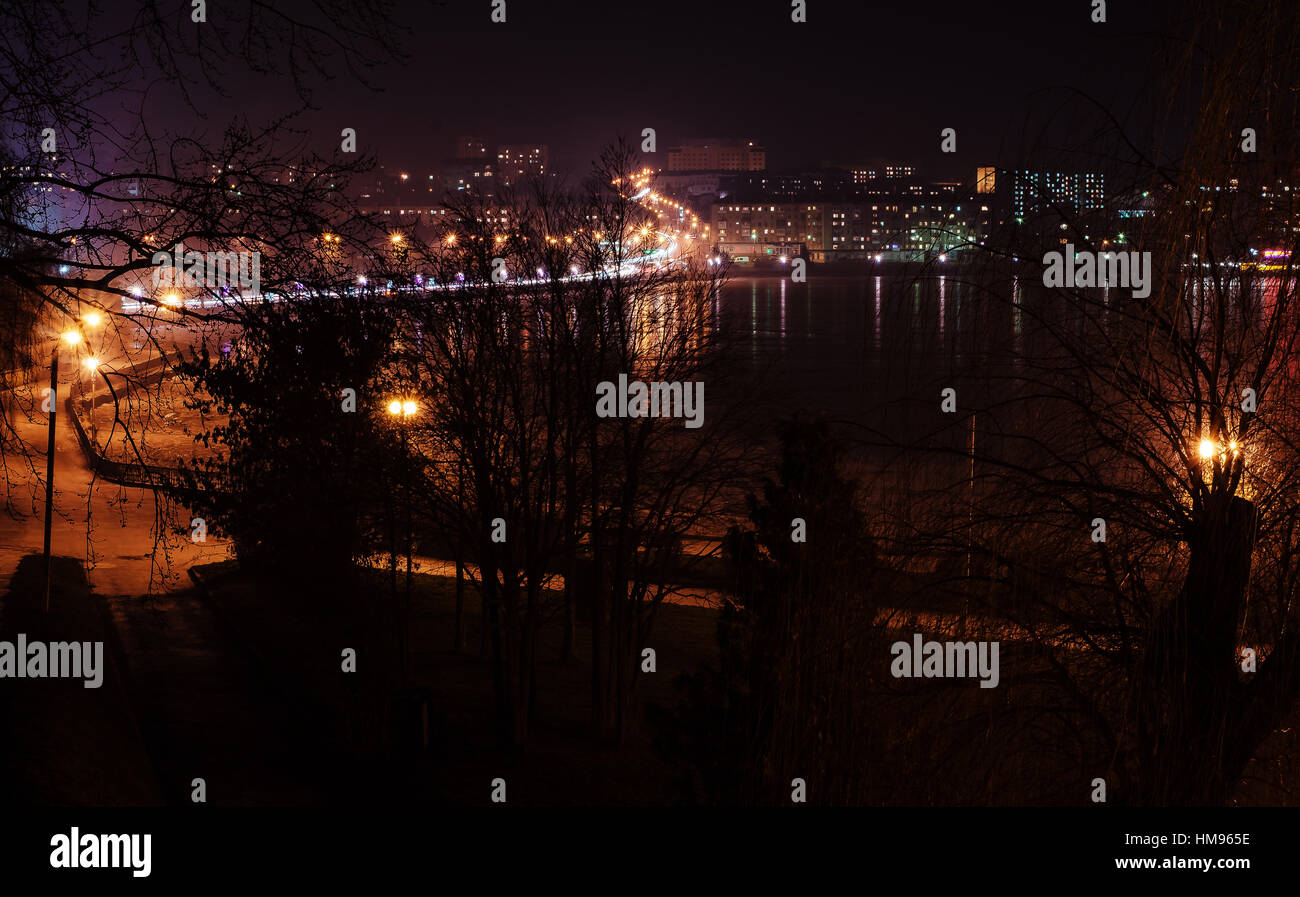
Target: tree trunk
460, 604
570, 564
1186, 694
500, 651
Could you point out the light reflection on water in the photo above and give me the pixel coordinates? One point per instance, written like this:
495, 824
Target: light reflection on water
854, 347
878, 350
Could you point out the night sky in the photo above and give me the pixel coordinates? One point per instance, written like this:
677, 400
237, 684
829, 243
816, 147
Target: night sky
856, 81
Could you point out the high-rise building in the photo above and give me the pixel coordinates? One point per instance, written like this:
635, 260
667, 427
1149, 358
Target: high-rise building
1036, 192
1091, 192
871, 173
468, 174
399, 194
707, 154
923, 221
522, 160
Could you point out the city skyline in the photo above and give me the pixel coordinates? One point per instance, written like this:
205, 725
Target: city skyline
432, 406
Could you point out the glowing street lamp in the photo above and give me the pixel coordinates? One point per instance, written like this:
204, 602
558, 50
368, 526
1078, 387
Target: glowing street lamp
91, 319
72, 338
1208, 450
402, 410
402, 407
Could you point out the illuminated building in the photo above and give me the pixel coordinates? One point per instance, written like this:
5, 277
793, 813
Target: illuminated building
1037, 192
717, 155
518, 161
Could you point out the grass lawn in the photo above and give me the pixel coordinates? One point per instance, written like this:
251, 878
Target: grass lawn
300, 639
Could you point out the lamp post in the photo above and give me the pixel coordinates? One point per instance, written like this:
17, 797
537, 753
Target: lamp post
92, 319
402, 410
72, 338
92, 365
409, 705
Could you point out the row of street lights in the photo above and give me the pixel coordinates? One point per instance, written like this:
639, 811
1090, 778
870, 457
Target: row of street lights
91, 363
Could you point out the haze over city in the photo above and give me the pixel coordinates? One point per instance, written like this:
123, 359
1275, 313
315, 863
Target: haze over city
444, 407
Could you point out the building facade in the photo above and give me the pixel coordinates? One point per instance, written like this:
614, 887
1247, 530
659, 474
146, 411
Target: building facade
519, 161
914, 225
717, 155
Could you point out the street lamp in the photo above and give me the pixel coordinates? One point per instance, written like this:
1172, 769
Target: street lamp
72, 338
402, 407
89, 319
1225, 455
402, 410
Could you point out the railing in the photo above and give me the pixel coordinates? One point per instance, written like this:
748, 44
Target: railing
124, 473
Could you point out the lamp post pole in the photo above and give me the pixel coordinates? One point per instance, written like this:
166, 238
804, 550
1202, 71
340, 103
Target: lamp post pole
49, 468
402, 411
72, 338
94, 419
406, 609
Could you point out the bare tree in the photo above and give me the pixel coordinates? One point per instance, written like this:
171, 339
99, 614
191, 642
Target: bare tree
536, 297
1132, 493
94, 181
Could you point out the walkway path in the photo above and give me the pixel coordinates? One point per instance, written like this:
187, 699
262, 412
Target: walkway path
202, 705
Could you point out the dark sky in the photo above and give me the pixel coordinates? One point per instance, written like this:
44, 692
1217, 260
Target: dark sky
856, 81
